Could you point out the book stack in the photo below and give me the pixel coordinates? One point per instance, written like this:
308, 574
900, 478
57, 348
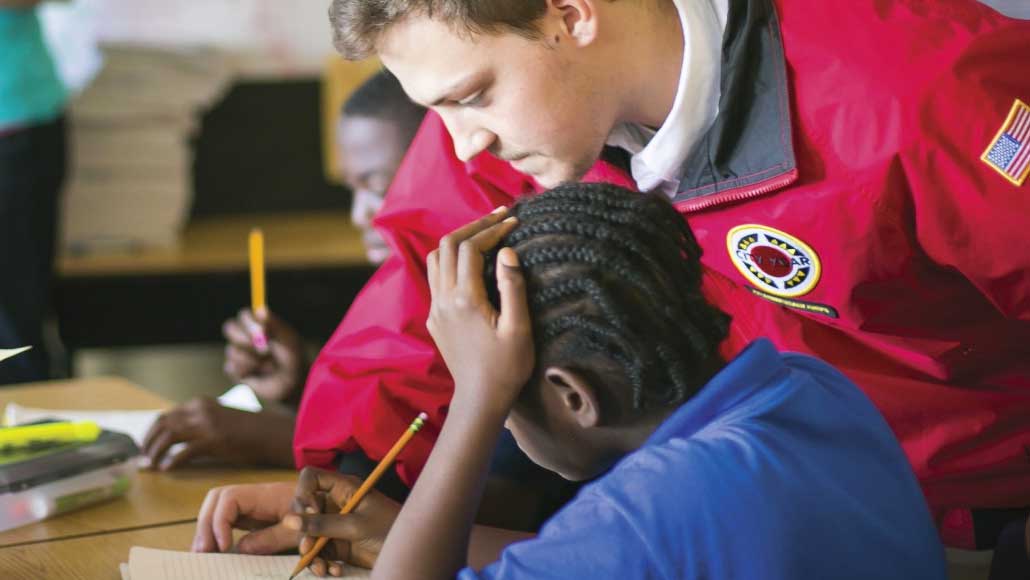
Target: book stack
130, 179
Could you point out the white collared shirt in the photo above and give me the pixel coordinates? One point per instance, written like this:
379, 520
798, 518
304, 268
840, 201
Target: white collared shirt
658, 155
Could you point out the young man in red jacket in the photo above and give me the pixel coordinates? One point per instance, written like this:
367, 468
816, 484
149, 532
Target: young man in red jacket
855, 172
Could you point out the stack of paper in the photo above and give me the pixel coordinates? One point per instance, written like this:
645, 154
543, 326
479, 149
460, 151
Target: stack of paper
168, 565
130, 182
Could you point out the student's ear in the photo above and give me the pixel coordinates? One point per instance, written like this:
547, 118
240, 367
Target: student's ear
577, 398
578, 19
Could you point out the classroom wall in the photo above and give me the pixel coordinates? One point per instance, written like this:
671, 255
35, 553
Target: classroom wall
271, 37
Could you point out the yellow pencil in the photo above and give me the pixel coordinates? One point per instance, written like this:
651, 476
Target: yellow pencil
257, 284
365, 487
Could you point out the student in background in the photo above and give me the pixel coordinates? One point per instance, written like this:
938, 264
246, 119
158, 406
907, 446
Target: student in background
376, 125
375, 128
32, 167
593, 343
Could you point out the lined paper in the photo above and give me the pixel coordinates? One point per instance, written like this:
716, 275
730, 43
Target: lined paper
171, 565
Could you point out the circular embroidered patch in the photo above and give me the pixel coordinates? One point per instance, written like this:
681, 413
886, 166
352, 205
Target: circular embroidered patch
774, 261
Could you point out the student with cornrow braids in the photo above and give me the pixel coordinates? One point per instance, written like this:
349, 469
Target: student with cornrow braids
577, 321
576, 241
587, 335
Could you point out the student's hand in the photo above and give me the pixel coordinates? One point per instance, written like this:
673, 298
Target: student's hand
207, 429
277, 373
489, 353
256, 507
357, 537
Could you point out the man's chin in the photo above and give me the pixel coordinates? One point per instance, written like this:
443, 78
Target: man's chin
549, 172
555, 177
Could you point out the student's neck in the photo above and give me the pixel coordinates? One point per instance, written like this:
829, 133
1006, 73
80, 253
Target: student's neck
651, 61
626, 439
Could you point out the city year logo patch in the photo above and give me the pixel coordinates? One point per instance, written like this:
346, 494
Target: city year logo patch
775, 262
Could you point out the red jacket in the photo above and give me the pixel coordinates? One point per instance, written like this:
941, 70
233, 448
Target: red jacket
854, 207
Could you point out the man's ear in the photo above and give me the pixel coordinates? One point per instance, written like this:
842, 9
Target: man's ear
577, 398
578, 19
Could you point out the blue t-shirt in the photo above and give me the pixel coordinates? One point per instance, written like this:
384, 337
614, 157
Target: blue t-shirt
30, 90
779, 468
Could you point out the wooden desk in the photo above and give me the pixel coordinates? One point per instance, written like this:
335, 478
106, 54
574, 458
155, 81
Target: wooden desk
301, 240
88, 558
95, 394
157, 499
315, 265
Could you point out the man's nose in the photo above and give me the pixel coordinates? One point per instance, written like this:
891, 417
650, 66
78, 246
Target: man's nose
469, 139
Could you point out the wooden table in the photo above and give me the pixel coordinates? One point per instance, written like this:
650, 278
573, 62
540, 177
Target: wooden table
315, 265
298, 240
159, 511
88, 558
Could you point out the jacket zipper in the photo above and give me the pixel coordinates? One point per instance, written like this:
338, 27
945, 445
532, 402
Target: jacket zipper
739, 194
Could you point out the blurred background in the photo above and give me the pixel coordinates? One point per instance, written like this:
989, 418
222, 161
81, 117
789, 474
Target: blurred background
190, 122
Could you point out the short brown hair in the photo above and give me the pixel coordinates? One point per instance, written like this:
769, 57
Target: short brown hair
358, 24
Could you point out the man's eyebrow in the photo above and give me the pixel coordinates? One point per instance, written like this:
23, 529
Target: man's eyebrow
462, 84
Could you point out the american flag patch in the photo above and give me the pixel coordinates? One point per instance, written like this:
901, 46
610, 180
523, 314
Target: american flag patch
1009, 153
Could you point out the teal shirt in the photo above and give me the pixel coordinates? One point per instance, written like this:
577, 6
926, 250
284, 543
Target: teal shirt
30, 91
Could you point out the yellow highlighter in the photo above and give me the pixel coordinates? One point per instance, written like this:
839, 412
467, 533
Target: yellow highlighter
42, 435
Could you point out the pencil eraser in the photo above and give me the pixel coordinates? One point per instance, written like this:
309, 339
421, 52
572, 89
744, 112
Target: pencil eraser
260, 341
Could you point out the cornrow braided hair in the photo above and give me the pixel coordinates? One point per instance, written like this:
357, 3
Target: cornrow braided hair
613, 279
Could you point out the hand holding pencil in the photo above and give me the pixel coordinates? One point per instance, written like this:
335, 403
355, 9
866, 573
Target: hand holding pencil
263, 351
360, 527
275, 375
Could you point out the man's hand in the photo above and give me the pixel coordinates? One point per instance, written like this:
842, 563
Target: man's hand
357, 537
210, 430
255, 507
489, 353
276, 372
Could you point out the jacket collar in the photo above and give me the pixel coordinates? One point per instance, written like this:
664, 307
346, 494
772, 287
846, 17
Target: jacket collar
748, 150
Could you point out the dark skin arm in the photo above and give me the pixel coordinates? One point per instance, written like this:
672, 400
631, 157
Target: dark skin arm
490, 355
436, 536
210, 430
358, 537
